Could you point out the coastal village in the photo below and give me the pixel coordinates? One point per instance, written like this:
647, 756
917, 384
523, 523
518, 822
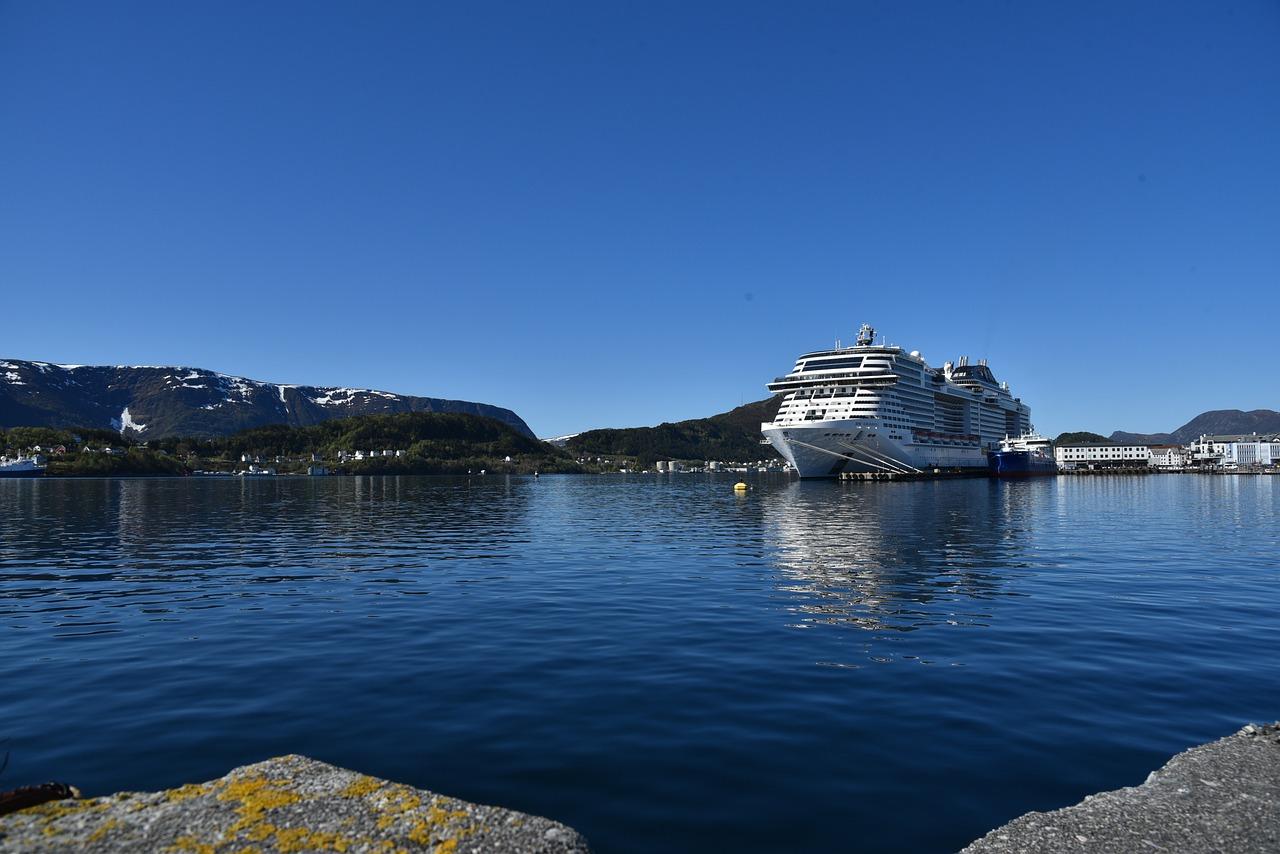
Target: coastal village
1239, 454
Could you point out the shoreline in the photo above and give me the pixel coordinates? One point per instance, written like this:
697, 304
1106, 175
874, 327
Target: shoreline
873, 477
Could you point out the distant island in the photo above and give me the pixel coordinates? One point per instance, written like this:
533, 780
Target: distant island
160, 402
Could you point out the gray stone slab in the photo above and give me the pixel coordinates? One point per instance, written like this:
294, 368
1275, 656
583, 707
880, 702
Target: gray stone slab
1219, 797
288, 804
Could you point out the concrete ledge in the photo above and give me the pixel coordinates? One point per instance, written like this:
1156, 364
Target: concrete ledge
1223, 796
288, 804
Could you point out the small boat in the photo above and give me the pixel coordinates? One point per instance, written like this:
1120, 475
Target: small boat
1029, 455
21, 467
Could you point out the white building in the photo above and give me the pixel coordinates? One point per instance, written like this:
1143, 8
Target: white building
1234, 452
1169, 456
1102, 456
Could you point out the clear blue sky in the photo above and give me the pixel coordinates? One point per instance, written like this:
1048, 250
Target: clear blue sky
609, 214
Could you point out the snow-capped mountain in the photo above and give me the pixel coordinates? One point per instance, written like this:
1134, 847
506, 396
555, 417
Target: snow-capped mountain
153, 402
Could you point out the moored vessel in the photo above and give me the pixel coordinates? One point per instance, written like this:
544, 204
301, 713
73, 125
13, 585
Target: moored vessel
878, 408
1027, 455
21, 467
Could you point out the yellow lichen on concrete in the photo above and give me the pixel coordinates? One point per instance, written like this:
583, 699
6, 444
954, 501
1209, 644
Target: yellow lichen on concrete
398, 801
256, 795
298, 839
57, 809
192, 845
107, 826
187, 792
289, 805
362, 786
426, 829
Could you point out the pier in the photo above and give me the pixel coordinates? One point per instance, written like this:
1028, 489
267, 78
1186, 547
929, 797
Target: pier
1216, 797
287, 804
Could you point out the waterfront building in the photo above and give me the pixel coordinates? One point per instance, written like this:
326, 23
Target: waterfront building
1169, 456
1236, 451
1102, 456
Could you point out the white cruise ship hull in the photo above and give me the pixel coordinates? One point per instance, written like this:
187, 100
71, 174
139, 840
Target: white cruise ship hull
830, 448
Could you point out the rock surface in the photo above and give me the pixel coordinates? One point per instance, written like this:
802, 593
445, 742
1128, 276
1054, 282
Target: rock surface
1223, 796
288, 804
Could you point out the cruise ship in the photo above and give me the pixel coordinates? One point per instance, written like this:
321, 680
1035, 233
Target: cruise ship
877, 408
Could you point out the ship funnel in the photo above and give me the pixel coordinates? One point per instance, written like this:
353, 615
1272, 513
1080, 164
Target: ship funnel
866, 334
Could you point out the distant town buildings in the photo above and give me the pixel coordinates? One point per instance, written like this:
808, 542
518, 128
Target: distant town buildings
1234, 452
343, 456
1208, 453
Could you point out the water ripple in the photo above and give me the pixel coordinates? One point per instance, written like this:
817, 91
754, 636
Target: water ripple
802, 666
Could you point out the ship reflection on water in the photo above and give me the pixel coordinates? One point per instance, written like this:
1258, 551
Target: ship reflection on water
875, 556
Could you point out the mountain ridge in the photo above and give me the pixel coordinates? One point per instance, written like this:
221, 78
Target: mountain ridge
1214, 422
158, 401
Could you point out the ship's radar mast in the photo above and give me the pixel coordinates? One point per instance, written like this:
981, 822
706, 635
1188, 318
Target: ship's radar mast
866, 335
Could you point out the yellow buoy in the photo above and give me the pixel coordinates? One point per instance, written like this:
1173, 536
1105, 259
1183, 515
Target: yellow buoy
740, 486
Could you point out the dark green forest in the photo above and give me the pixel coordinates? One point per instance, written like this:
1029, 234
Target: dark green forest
730, 436
1082, 438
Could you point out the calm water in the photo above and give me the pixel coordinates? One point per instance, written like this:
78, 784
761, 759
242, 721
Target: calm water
655, 661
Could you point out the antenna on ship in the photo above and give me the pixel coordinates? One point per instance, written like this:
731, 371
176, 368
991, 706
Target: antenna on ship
866, 335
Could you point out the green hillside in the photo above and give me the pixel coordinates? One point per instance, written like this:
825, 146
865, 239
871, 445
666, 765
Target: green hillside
432, 442
1082, 438
729, 436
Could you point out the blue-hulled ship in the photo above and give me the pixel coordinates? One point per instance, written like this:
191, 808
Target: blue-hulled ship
1029, 455
21, 467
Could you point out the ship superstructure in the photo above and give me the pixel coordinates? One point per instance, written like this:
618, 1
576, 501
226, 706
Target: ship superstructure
877, 408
